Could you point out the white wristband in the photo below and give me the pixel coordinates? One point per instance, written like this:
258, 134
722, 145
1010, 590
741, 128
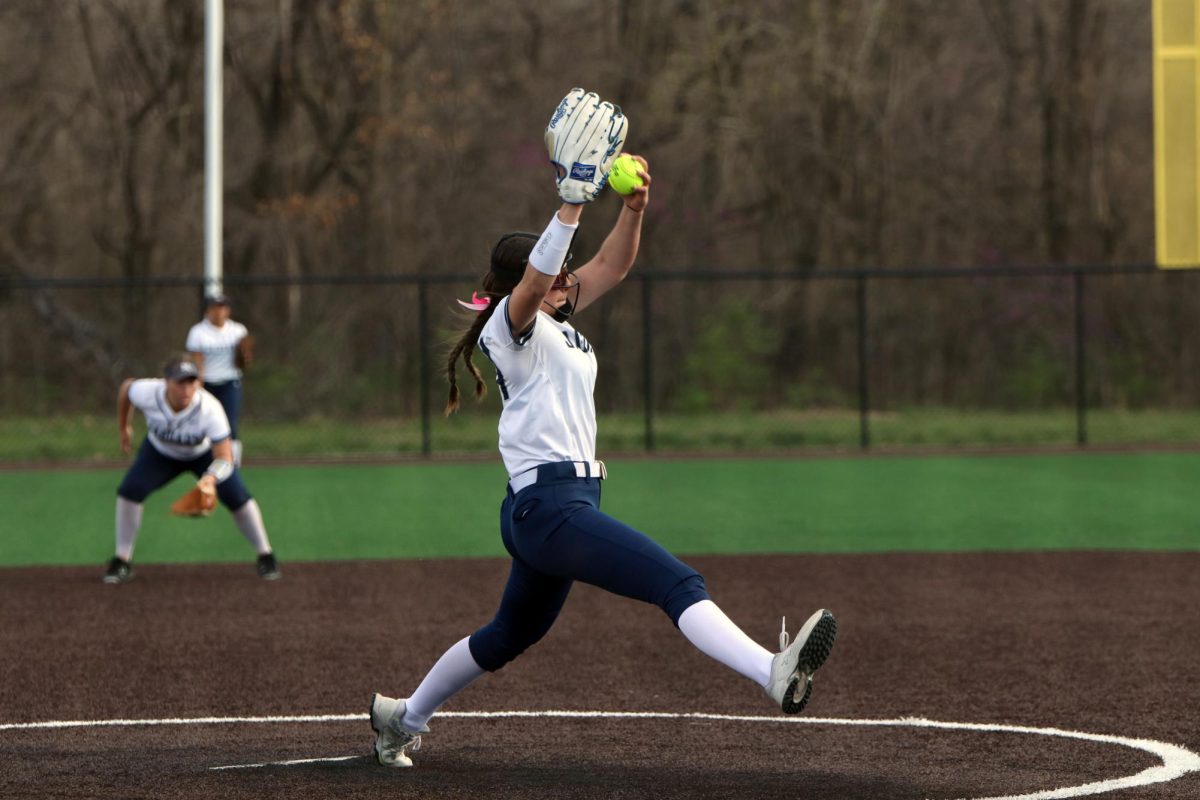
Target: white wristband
219, 469
551, 249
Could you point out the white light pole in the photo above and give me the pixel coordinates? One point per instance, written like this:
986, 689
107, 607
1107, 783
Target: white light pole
214, 45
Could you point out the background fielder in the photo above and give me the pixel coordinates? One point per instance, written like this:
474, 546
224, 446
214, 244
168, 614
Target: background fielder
222, 348
187, 431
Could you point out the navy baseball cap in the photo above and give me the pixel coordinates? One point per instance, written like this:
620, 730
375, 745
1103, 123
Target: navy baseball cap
181, 369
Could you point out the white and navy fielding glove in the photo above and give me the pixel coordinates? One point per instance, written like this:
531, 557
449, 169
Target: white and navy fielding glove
584, 138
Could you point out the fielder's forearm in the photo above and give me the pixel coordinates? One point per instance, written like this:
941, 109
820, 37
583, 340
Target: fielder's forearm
223, 451
199, 359
124, 407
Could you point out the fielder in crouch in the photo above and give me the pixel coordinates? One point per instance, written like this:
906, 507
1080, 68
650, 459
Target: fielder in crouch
187, 431
550, 519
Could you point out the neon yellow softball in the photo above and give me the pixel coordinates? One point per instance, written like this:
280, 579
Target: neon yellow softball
624, 176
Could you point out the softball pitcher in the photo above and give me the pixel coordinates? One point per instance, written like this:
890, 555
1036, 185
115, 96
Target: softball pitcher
187, 431
222, 348
550, 519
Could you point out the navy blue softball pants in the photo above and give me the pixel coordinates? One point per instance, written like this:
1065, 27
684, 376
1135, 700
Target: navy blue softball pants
229, 394
152, 470
557, 535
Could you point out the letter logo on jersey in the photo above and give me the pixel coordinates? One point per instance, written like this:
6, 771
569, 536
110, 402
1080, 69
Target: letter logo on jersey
576, 340
583, 172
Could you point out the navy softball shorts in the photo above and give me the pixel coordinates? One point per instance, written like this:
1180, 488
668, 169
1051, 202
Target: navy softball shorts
557, 535
230, 395
152, 470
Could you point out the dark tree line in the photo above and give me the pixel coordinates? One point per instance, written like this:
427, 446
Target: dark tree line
369, 137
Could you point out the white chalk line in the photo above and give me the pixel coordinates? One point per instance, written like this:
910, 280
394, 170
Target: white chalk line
1176, 760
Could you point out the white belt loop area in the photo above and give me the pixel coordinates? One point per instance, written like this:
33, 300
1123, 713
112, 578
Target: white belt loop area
590, 469
583, 469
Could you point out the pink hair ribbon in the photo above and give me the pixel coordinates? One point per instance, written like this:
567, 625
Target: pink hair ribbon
477, 303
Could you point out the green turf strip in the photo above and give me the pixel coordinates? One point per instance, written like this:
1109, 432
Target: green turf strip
1144, 501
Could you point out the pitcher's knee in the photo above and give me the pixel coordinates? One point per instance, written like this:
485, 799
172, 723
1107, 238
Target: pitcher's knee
493, 646
683, 595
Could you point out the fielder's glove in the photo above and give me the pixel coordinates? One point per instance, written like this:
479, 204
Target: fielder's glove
583, 139
196, 503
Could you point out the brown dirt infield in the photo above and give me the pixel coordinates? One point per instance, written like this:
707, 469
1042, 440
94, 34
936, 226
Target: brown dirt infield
1103, 643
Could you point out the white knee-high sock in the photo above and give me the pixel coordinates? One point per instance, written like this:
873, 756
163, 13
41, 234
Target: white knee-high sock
452, 673
129, 522
714, 634
250, 522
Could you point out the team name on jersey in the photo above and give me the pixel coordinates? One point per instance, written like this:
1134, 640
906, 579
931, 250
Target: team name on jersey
190, 438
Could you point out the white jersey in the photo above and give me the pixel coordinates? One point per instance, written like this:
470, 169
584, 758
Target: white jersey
546, 380
218, 346
182, 435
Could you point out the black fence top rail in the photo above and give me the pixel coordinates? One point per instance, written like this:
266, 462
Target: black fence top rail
9, 282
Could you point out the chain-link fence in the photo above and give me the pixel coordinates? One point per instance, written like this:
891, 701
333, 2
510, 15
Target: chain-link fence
689, 360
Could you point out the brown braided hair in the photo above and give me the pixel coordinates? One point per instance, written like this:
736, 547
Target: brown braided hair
509, 257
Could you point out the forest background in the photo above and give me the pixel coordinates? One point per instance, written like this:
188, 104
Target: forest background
369, 141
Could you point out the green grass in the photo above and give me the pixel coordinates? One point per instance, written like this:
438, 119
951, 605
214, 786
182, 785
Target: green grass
1140, 501
92, 438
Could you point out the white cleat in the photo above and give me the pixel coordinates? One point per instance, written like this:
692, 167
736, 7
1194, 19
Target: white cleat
792, 668
392, 741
